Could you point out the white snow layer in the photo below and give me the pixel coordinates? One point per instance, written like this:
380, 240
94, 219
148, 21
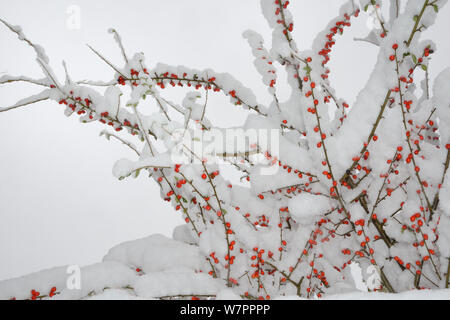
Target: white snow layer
151, 268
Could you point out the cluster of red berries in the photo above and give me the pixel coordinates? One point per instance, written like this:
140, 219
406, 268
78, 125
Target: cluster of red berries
337, 28
229, 258
121, 80
35, 294
317, 274
207, 84
263, 221
258, 262
212, 175
82, 106
393, 57
288, 27
247, 295
175, 80
134, 78
52, 292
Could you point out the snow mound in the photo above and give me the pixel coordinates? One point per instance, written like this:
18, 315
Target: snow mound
154, 267
172, 284
306, 209
155, 253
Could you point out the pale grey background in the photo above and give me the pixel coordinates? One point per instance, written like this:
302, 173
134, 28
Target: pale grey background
59, 203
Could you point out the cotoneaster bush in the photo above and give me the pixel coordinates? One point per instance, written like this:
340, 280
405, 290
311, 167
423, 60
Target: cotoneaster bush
365, 183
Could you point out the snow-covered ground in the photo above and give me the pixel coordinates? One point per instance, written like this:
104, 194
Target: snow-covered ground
155, 267
119, 294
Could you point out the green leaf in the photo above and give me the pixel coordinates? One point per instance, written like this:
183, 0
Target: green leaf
366, 7
424, 67
136, 174
436, 8
414, 58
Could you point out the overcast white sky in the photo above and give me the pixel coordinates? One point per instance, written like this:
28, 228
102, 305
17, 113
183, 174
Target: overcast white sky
59, 203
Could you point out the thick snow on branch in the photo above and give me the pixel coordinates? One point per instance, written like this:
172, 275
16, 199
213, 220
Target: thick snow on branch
441, 99
9, 79
44, 95
263, 59
151, 267
40, 52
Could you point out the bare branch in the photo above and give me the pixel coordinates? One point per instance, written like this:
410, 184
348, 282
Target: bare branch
108, 135
106, 61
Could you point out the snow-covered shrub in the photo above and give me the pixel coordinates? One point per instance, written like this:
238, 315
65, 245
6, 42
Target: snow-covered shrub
366, 183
